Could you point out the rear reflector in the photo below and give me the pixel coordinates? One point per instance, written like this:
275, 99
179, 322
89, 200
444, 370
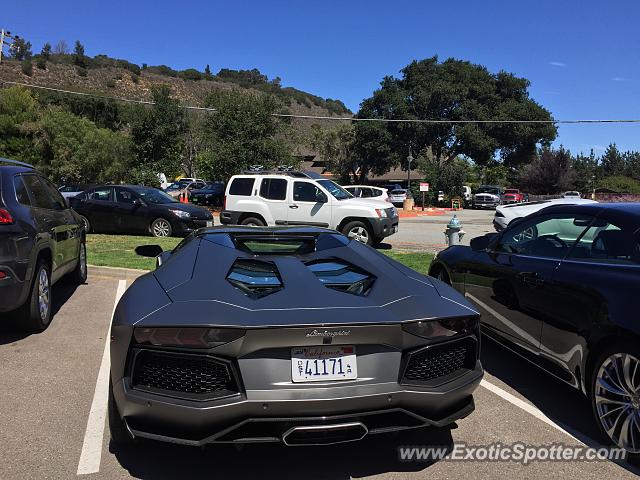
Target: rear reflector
5, 217
3, 275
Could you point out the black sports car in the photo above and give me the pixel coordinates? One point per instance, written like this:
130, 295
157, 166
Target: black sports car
299, 335
560, 287
135, 209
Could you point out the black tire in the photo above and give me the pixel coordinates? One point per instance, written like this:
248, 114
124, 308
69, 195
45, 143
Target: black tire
253, 221
118, 430
87, 224
359, 231
596, 389
30, 314
161, 227
79, 274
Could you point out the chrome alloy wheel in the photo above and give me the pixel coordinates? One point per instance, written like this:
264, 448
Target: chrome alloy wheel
44, 295
359, 233
161, 228
617, 399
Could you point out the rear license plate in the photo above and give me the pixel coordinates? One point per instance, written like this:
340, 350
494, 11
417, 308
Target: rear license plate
209, 223
321, 364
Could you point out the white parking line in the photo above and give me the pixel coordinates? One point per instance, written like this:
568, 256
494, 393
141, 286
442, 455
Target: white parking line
527, 407
92, 446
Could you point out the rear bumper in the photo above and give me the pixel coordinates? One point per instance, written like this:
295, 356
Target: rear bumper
12, 290
264, 416
228, 217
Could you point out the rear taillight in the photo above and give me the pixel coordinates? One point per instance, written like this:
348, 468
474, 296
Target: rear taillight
5, 217
3, 275
224, 205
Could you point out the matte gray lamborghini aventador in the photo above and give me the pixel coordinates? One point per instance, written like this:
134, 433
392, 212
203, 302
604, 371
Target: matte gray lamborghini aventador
294, 335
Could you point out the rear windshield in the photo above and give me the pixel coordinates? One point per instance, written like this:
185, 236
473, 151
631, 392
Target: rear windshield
398, 192
241, 186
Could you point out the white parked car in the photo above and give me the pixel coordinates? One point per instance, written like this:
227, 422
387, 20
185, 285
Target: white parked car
466, 193
294, 198
571, 194
505, 214
399, 195
367, 191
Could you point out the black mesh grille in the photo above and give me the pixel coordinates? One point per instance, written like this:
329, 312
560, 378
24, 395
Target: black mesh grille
189, 376
439, 361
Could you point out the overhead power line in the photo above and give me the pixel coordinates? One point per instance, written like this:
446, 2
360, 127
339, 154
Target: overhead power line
322, 117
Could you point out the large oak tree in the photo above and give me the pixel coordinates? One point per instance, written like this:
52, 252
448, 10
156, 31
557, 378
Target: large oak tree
452, 90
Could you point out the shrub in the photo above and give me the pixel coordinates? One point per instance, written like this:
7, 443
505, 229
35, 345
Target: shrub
41, 63
111, 83
27, 67
191, 74
81, 71
135, 78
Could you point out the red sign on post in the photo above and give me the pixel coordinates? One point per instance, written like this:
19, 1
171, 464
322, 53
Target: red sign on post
424, 187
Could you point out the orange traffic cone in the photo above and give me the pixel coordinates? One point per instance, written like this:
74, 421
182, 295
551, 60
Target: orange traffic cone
183, 197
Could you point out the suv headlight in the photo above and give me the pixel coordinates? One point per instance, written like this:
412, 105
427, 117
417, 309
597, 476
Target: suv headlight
180, 213
381, 213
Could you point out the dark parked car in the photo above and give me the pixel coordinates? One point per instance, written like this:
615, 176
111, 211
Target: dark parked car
293, 335
72, 189
41, 241
135, 209
212, 194
561, 288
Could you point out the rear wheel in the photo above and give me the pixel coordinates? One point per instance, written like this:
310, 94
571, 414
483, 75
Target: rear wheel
252, 222
358, 231
79, 274
161, 227
615, 396
85, 223
119, 433
36, 312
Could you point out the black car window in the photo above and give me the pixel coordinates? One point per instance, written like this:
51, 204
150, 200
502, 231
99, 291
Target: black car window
546, 236
241, 186
604, 242
124, 196
367, 193
273, 188
59, 202
38, 191
306, 192
21, 190
102, 194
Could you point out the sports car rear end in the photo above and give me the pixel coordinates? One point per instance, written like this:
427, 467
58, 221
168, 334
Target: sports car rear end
288, 335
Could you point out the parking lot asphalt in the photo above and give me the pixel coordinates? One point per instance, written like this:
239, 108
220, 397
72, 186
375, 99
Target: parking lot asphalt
47, 397
426, 233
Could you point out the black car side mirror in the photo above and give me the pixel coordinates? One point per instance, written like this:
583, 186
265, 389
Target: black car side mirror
151, 251
480, 244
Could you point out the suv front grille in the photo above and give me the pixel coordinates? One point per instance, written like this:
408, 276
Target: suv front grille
436, 363
197, 377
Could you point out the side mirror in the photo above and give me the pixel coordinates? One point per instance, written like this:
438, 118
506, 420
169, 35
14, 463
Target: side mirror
151, 251
480, 244
160, 259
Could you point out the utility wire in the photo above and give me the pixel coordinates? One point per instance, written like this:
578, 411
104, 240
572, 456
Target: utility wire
322, 117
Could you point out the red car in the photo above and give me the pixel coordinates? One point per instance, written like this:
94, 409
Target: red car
512, 195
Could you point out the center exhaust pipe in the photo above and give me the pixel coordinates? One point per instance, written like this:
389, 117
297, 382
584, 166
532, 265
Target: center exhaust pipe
324, 434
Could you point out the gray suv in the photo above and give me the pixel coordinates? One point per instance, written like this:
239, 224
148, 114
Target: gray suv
41, 241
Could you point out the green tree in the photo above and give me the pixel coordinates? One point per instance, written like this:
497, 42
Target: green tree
612, 161
158, 137
45, 53
586, 171
18, 114
453, 90
20, 49
78, 55
243, 132
336, 146
207, 71
550, 173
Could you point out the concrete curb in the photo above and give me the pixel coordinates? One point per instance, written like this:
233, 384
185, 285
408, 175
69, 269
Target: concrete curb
128, 274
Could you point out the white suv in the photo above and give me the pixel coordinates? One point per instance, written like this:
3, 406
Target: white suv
294, 198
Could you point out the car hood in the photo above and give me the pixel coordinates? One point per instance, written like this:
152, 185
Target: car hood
191, 289
364, 202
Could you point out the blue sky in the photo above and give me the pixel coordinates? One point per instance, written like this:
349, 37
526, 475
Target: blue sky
582, 57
